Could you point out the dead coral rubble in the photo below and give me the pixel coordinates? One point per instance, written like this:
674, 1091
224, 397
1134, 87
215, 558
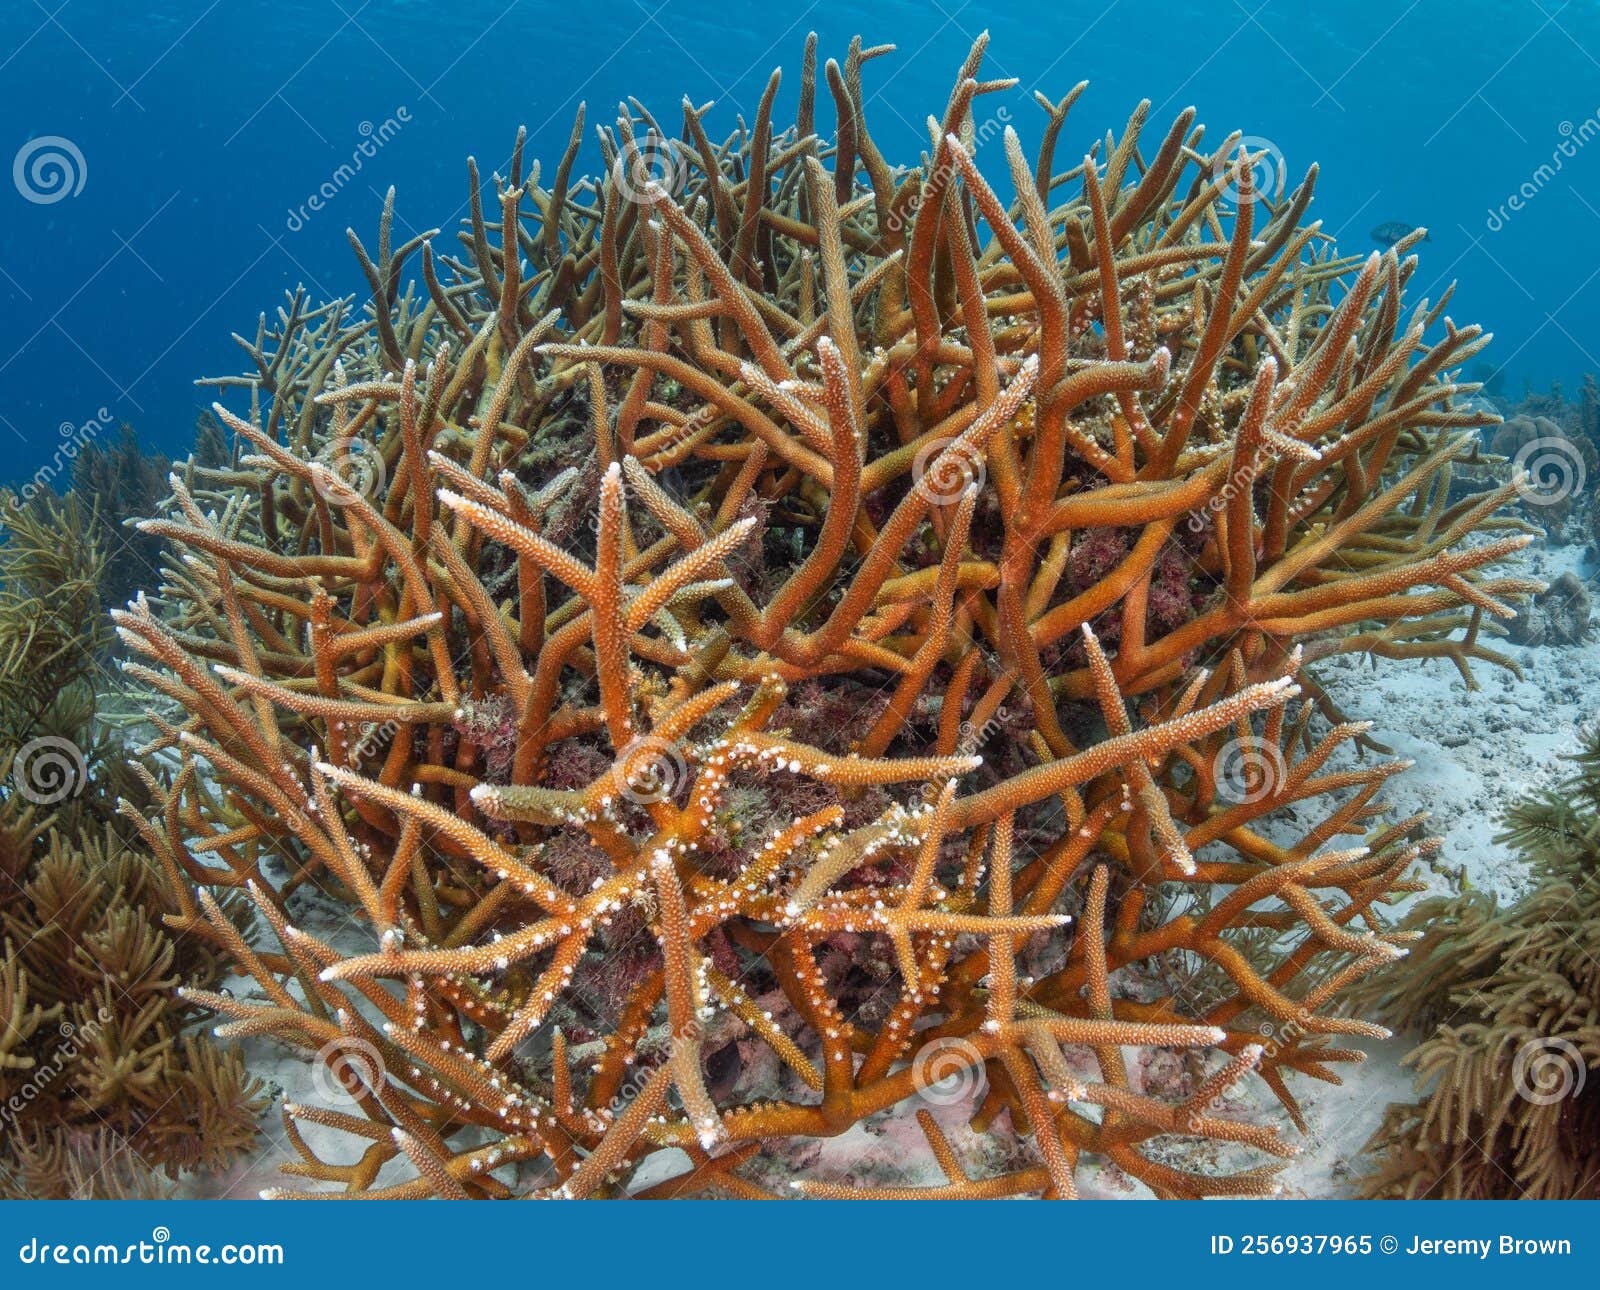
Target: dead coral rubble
896, 688
1559, 615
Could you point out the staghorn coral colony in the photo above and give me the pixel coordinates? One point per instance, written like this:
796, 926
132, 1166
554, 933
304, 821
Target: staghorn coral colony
763, 638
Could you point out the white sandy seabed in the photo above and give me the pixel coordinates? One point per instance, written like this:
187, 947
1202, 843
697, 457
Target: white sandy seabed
1475, 753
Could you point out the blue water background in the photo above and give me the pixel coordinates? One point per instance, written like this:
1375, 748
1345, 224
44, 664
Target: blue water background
204, 127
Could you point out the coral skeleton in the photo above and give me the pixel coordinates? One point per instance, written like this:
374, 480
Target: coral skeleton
762, 638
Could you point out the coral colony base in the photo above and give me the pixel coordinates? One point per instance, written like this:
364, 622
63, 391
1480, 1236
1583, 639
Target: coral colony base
902, 690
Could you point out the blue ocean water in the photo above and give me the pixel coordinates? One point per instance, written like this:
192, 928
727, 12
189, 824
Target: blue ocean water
165, 155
